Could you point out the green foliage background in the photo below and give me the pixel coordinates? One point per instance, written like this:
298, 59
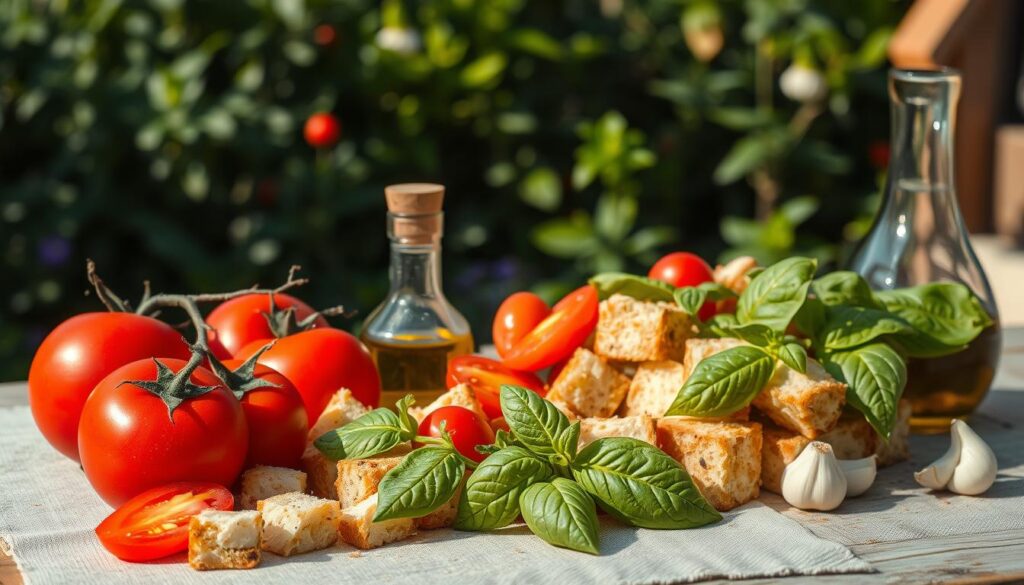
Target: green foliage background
163, 138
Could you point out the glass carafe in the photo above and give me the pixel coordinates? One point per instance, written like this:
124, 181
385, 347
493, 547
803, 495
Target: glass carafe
919, 236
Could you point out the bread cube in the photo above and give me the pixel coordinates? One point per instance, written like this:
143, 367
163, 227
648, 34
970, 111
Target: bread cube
263, 481
458, 395
852, 437
779, 448
723, 458
897, 448
589, 386
342, 409
298, 523
224, 540
321, 473
640, 427
564, 408
358, 528
444, 516
809, 404
358, 478
699, 349
654, 387
733, 275
638, 331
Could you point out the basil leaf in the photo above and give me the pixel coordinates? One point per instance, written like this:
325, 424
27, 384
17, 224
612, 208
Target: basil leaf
755, 333
490, 499
722, 324
844, 288
535, 422
426, 479
875, 375
561, 513
946, 317
775, 295
810, 319
407, 423
641, 485
716, 291
568, 442
795, 356
631, 285
376, 432
724, 382
847, 327
691, 299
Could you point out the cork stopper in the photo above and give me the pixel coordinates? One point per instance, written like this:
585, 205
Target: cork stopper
414, 212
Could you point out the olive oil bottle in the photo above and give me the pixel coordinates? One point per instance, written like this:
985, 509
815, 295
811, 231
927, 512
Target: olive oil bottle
415, 331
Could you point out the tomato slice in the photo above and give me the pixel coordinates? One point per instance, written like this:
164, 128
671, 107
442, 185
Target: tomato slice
486, 376
519, 314
571, 321
154, 524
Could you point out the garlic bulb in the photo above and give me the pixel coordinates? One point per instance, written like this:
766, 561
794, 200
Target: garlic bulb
968, 467
803, 84
860, 474
814, 480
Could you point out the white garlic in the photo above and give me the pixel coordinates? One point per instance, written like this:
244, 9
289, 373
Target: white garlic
860, 474
814, 480
803, 84
968, 467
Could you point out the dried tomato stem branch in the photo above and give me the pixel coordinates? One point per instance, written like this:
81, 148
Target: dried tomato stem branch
106, 296
191, 309
148, 303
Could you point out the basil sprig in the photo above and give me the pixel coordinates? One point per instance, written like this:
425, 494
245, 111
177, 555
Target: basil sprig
724, 382
631, 285
945, 317
875, 375
561, 513
775, 295
374, 433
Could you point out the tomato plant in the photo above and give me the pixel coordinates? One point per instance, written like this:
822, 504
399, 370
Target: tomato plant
554, 339
516, 316
322, 130
154, 524
685, 269
466, 429
486, 376
248, 318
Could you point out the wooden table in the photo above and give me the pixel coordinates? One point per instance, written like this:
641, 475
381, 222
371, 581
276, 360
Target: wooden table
968, 559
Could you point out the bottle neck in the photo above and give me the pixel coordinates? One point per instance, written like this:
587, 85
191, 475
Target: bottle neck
416, 269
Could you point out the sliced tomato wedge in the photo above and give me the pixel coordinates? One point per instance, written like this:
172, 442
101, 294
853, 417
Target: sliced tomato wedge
486, 376
154, 524
555, 338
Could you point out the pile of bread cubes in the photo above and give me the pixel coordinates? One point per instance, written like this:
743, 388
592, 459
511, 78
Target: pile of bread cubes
619, 385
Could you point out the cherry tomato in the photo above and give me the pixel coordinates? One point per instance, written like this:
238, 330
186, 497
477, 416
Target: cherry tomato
516, 317
485, 376
129, 443
319, 362
277, 420
322, 130
242, 320
76, 355
555, 338
154, 524
685, 269
466, 429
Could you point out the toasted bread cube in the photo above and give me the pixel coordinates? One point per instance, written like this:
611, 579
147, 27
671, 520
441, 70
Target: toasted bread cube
723, 458
698, 349
458, 395
852, 437
640, 427
638, 331
442, 517
733, 275
588, 385
358, 528
263, 481
298, 523
224, 540
654, 387
321, 473
897, 448
342, 409
779, 448
358, 478
809, 404
564, 407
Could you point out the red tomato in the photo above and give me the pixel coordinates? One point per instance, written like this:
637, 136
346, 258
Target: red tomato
277, 420
242, 320
466, 429
516, 317
319, 362
555, 338
322, 130
154, 524
555, 371
76, 355
685, 269
486, 376
129, 444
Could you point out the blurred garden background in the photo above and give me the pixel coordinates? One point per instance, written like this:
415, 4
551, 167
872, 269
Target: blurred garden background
164, 139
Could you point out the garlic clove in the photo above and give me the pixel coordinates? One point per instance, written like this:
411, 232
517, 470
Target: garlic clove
976, 471
814, 480
860, 474
938, 474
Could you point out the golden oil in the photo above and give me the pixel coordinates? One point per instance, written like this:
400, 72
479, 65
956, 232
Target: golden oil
416, 363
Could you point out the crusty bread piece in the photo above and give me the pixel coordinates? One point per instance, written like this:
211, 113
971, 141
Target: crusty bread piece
358, 528
654, 387
588, 385
458, 395
897, 448
321, 473
852, 437
638, 331
641, 427
564, 407
442, 517
342, 409
264, 481
733, 275
224, 540
297, 523
723, 458
358, 478
698, 349
779, 448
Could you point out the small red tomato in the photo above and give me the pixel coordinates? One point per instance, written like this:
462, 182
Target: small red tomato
322, 130
243, 320
554, 339
466, 429
516, 316
324, 35
685, 269
486, 376
154, 524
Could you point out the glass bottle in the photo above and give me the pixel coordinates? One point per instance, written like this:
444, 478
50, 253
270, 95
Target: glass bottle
415, 331
919, 236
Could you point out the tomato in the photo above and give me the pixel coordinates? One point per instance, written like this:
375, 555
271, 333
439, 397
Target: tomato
685, 269
322, 130
555, 371
154, 524
466, 429
243, 320
555, 338
129, 443
486, 376
319, 362
76, 355
517, 315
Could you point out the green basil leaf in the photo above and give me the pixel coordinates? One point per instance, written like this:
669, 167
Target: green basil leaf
810, 319
795, 356
721, 325
724, 382
716, 291
407, 423
426, 479
534, 422
641, 485
561, 513
568, 442
844, 288
631, 285
691, 299
875, 375
755, 333
774, 296
946, 317
490, 499
847, 327
376, 432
